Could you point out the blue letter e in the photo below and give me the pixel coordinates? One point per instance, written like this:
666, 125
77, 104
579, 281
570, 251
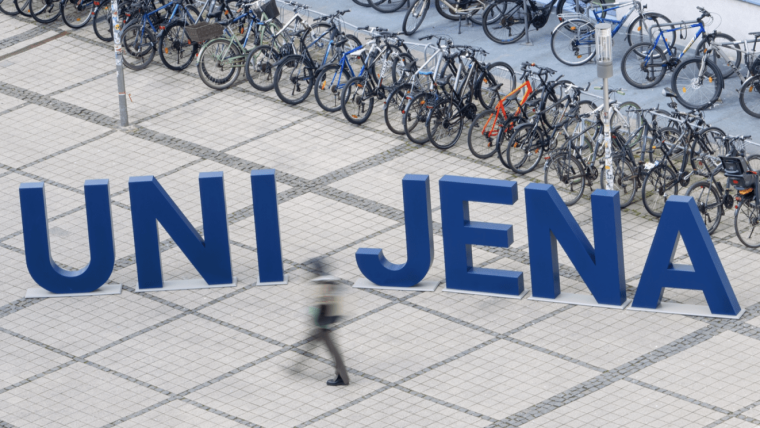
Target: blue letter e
40, 262
419, 241
151, 205
681, 219
460, 234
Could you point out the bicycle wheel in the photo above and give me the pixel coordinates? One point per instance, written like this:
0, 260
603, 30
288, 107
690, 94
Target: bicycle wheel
574, 42
414, 16
219, 64
416, 116
394, 108
709, 202
747, 223
749, 96
505, 24
481, 137
23, 7
329, 85
727, 60
694, 90
444, 11
444, 125
497, 81
526, 148
175, 48
293, 79
623, 179
44, 11
386, 6
77, 13
137, 46
260, 65
659, 184
477, 17
643, 70
8, 8
638, 31
101, 22
364, 3
567, 175
356, 100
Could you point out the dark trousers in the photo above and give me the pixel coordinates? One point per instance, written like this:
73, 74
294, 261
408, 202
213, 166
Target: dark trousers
340, 368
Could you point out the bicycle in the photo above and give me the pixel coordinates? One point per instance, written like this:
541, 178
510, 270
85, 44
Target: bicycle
750, 84
575, 35
508, 17
468, 10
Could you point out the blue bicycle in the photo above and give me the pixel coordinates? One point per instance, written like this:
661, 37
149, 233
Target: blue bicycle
333, 77
644, 64
574, 43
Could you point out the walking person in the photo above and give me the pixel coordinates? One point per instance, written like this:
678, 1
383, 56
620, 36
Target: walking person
326, 313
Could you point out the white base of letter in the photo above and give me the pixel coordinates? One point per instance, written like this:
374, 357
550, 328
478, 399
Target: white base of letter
186, 284
579, 299
684, 309
284, 281
104, 290
428, 285
481, 293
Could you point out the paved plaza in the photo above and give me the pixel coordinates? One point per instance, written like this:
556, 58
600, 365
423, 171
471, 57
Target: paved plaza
245, 356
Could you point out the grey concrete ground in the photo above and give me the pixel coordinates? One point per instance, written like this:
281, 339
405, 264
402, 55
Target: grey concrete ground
244, 356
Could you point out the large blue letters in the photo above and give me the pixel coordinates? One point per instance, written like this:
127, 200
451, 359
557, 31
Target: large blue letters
549, 220
39, 260
267, 224
419, 240
151, 204
460, 234
681, 219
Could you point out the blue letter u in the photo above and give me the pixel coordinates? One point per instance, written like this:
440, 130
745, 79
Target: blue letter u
40, 262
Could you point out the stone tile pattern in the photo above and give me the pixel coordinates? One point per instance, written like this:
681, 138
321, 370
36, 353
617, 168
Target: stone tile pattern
245, 356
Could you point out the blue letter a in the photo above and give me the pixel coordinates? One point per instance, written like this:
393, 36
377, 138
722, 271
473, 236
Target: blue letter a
681, 219
419, 240
40, 262
151, 204
549, 220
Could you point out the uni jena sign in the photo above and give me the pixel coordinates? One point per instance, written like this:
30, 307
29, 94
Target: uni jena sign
601, 266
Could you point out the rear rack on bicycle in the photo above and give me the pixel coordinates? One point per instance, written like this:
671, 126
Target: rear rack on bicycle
203, 31
570, 16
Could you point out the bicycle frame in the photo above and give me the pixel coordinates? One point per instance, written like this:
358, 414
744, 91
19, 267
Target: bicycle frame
681, 26
341, 65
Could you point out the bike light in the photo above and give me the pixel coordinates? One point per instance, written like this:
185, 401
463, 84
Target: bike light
736, 181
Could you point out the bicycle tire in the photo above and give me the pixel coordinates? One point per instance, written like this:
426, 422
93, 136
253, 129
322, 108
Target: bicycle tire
415, 118
444, 10
41, 11
364, 3
709, 203
9, 8
137, 55
102, 25
752, 213
483, 133
175, 48
567, 174
496, 73
526, 148
417, 12
24, 8
686, 83
445, 124
623, 179
260, 66
657, 182
329, 85
77, 17
512, 16
636, 32
722, 57
355, 104
654, 67
387, 6
393, 111
292, 93
565, 40
212, 58
749, 96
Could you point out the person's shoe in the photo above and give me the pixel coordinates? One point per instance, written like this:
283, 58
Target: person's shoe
338, 381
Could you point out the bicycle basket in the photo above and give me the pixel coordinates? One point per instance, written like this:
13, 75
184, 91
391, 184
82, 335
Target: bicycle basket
204, 31
266, 7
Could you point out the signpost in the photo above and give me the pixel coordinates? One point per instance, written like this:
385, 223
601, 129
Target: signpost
116, 27
604, 70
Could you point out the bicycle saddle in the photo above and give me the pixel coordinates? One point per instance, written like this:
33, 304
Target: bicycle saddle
756, 33
669, 93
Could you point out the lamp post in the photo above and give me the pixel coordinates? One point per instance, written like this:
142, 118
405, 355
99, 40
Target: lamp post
116, 25
604, 70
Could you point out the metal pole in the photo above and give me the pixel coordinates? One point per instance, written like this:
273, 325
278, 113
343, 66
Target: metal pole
607, 139
527, 24
603, 42
116, 25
